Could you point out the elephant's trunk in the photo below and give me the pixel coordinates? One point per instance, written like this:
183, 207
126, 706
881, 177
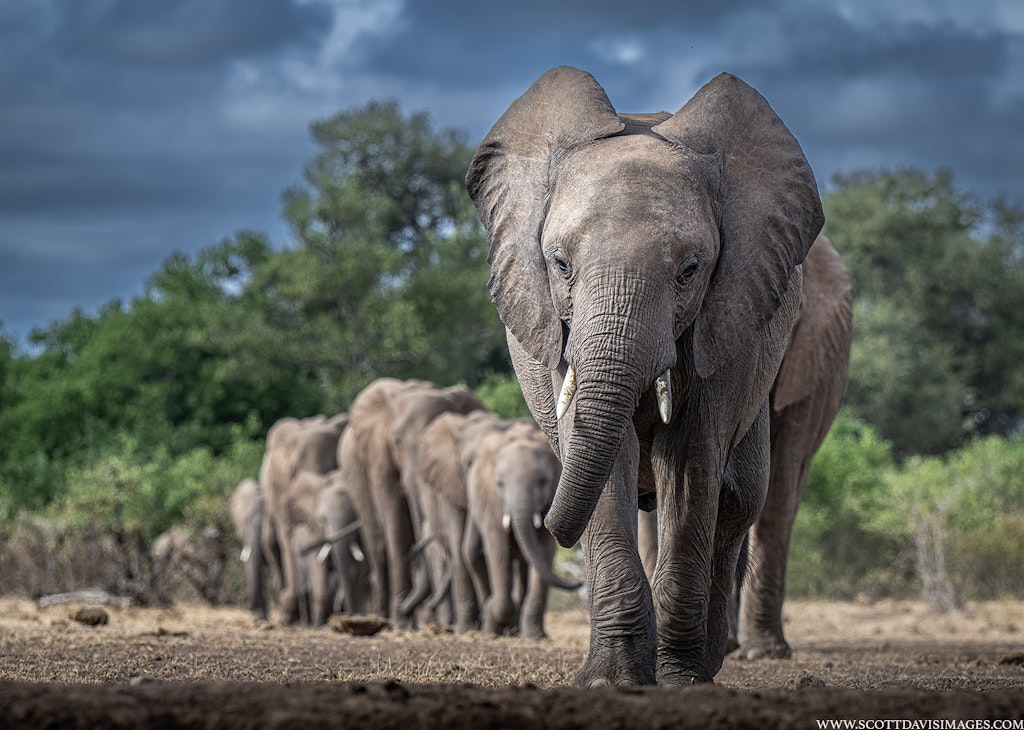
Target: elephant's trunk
524, 529
616, 358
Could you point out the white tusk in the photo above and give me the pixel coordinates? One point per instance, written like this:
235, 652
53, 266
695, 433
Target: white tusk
324, 552
538, 520
246, 552
357, 553
663, 389
567, 393
506, 521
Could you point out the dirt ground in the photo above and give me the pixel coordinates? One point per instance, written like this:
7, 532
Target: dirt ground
201, 667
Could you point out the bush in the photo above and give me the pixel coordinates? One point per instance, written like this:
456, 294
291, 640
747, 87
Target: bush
965, 514
838, 549
501, 393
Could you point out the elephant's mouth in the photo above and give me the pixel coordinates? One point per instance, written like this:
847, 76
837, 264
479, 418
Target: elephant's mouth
662, 390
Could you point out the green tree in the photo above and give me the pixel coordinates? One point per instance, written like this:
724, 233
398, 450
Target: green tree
388, 275
938, 282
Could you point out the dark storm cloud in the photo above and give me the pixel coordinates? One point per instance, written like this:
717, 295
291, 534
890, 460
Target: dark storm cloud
184, 33
131, 128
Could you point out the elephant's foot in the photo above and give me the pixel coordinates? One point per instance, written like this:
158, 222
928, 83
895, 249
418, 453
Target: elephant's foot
617, 664
532, 632
763, 647
674, 676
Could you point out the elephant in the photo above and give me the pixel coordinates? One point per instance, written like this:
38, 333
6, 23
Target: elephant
804, 401
377, 455
647, 270
293, 445
337, 516
492, 479
245, 507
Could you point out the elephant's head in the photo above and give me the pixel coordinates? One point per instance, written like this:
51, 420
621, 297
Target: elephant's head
518, 462
624, 246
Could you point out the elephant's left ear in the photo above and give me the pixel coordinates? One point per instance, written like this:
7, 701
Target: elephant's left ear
508, 181
770, 211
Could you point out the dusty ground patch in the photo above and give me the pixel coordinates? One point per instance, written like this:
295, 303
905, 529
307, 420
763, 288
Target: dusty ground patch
220, 668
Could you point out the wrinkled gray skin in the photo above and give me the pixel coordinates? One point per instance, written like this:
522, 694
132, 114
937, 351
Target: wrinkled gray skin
377, 454
804, 402
292, 446
246, 507
624, 246
478, 468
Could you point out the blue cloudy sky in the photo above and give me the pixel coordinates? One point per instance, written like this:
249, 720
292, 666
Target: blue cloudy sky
133, 128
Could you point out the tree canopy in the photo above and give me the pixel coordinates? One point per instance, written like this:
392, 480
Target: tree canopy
938, 279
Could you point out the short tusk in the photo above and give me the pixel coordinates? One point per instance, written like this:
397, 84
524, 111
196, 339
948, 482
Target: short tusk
246, 553
566, 395
663, 389
357, 553
538, 520
506, 521
324, 552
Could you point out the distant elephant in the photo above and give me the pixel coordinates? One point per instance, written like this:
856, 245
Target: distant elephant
337, 515
493, 479
647, 271
246, 507
293, 445
804, 402
313, 592
377, 455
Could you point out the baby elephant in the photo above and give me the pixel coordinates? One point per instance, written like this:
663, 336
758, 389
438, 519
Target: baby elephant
496, 482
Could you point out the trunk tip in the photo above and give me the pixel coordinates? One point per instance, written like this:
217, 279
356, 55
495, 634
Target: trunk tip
566, 533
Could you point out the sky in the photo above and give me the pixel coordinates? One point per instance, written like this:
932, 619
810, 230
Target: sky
131, 129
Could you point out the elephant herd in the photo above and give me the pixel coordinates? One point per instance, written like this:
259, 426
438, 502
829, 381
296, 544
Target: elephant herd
680, 331
418, 505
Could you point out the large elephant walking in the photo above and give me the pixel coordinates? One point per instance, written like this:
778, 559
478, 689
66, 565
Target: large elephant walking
378, 454
293, 445
646, 268
804, 402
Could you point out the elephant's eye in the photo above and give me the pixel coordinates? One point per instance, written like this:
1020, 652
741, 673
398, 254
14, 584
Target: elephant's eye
561, 264
688, 272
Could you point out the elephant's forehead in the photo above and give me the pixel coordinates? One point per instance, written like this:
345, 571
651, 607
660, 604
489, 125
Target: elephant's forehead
635, 181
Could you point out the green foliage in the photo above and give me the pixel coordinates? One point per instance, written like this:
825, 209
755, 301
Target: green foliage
501, 393
139, 494
938, 281
837, 551
966, 515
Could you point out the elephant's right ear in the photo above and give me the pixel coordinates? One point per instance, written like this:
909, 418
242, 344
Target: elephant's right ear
508, 181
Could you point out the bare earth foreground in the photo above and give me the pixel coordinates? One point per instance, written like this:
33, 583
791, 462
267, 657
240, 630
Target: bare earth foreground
196, 667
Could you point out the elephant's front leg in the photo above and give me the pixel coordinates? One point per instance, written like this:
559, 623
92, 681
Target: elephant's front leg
742, 498
499, 610
622, 630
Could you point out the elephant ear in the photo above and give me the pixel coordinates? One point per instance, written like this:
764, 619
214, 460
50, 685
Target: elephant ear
819, 348
508, 181
770, 212
439, 461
